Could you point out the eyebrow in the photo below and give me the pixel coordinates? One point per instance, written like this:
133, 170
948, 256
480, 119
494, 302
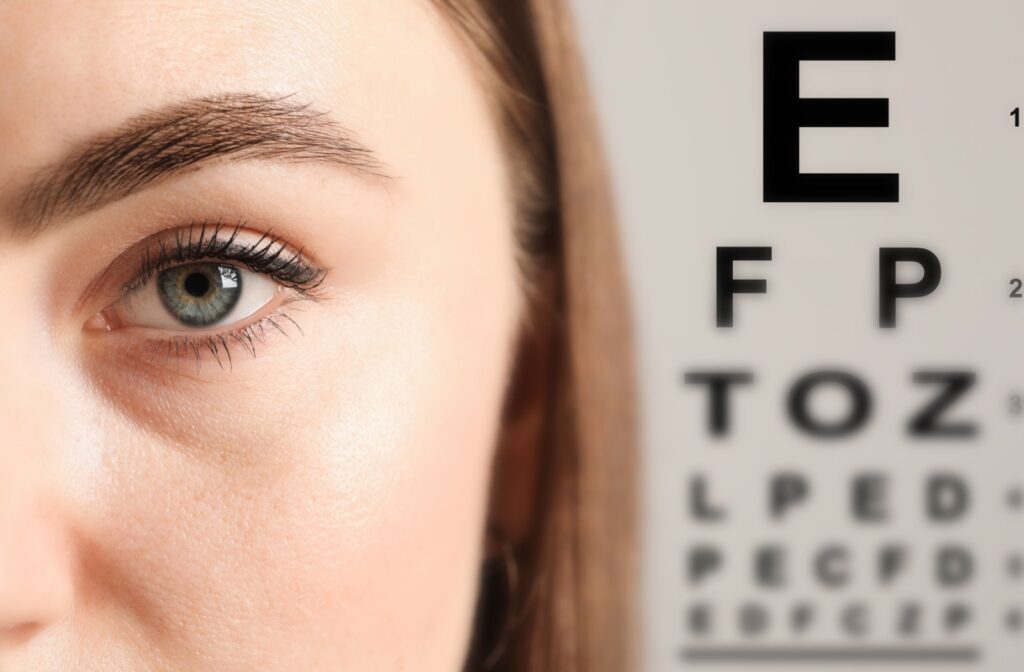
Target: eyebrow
160, 143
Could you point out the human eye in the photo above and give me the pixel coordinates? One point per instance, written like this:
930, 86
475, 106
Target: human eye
197, 295
207, 289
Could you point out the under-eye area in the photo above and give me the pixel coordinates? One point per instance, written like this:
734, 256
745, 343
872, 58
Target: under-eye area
207, 292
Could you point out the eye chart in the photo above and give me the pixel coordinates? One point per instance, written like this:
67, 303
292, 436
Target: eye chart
824, 210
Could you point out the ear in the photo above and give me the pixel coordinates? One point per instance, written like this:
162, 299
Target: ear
517, 461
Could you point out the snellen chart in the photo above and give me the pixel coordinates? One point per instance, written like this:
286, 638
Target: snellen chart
850, 453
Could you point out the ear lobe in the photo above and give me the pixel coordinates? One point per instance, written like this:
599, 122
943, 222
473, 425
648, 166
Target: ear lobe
517, 460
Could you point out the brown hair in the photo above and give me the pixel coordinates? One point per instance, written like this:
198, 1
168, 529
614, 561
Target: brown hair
574, 608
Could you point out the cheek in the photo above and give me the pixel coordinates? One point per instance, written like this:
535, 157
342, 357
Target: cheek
332, 507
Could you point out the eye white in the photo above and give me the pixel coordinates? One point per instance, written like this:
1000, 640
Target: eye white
144, 307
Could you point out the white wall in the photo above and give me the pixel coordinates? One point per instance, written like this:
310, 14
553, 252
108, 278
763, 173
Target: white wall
678, 85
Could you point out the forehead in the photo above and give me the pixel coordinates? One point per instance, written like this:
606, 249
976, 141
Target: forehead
72, 69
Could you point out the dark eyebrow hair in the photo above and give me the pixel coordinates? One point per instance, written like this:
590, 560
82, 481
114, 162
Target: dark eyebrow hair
179, 137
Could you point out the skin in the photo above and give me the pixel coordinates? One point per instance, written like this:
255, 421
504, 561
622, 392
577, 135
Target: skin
319, 505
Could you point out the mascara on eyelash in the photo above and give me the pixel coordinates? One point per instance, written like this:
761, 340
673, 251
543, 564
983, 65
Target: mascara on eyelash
267, 255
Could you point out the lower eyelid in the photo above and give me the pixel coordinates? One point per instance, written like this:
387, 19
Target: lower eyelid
223, 350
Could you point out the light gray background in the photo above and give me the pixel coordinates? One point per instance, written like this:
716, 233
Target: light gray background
678, 86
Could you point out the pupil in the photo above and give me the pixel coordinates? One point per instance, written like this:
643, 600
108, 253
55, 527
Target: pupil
197, 284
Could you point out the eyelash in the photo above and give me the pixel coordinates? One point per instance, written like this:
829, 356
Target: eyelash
246, 337
268, 255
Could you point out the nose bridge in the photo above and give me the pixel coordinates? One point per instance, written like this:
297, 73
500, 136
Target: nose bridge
35, 586
28, 380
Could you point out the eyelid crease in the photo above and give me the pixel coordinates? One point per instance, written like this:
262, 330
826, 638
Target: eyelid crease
268, 255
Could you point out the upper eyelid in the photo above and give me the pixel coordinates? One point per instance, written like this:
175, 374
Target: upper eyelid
131, 265
268, 254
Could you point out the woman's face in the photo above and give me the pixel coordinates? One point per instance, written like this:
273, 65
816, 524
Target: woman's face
260, 301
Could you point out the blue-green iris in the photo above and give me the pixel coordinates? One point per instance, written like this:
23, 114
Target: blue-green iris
199, 295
